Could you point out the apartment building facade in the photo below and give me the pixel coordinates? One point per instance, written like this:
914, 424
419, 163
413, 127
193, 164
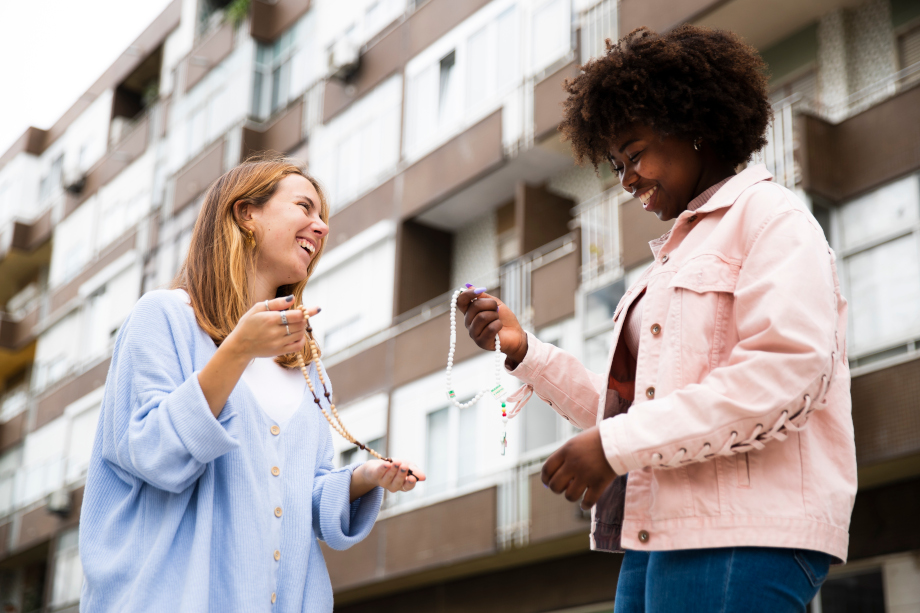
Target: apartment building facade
432, 124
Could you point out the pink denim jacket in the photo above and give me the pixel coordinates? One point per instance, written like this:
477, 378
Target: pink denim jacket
740, 432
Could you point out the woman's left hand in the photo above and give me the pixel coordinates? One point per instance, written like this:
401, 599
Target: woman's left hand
392, 476
579, 467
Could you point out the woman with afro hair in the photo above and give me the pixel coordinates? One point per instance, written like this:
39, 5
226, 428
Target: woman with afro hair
718, 448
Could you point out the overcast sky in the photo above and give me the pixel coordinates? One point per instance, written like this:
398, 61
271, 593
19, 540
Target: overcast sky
51, 51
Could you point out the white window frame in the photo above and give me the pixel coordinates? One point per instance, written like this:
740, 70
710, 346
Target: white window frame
889, 351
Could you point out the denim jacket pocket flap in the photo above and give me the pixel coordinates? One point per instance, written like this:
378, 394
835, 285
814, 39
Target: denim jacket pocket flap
707, 273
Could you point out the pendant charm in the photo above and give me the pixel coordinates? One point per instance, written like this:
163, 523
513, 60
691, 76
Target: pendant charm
504, 442
498, 391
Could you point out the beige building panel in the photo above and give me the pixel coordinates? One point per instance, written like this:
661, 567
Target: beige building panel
283, 135
360, 375
637, 228
52, 405
553, 289
552, 516
363, 213
548, 96
270, 19
208, 54
71, 289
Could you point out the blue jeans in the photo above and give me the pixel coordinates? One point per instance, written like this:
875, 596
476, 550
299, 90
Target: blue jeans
727, 580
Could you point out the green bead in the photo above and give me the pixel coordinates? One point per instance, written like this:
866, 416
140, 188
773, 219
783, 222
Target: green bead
503, 405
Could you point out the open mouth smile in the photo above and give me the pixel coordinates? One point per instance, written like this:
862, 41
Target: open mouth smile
647, 196
306, 245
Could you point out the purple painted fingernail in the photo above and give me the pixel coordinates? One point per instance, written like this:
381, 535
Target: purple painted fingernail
479, 290
318, 309
469, 285
498, 307
290, 298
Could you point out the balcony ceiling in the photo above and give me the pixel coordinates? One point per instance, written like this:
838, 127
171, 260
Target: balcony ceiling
763, 23
19, 268
534, 166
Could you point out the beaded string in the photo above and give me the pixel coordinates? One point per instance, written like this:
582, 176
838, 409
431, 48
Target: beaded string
498, 391
336, 423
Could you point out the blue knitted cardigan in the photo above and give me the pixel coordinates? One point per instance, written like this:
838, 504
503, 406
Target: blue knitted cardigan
181, 511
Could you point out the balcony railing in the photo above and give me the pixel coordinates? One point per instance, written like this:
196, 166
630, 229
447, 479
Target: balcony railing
599, 220
779, 154
598, 23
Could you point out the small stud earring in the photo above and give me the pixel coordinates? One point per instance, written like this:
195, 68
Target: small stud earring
250, 238
696, 144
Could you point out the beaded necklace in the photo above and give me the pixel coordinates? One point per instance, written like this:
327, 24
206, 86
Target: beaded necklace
498, 392
335, 421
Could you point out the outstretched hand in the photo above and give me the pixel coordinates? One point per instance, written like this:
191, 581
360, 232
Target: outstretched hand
486, 316
392, 476
579, 467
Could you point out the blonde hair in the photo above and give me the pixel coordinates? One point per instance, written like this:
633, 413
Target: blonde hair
221, 261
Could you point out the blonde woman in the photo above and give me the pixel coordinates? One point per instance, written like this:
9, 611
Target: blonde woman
211, 477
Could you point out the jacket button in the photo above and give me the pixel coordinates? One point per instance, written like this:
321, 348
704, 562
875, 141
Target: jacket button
276, 430
664, 258
273, 598
277, 511
277, 555
276, 471
656, 329
650, 392
643, 536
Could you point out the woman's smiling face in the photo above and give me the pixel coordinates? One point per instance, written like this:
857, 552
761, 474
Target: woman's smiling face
664, 172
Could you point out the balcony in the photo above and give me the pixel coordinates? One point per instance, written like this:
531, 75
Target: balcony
498, 522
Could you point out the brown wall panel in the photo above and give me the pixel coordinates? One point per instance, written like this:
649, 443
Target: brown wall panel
885, 520
553, 290
363, 374
637, 228
885, 414
660, 15
457, 162
865, 151
423, 260
32, 141
436, 18
542, 215
271, 19
128, 149
356, 565
69, 291
40, 230
440, 534
196, 177
423, 349
548, 96
361, 214
552, 516
15, 333
12, 431
5, 531
208, 53
52, 405
285, 133
37, 525
589, 578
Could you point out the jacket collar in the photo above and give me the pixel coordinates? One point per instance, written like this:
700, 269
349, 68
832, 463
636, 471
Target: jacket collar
726, 196
733, 189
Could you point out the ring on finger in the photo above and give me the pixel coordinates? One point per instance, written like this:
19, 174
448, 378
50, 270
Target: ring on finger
284, 317
267, 308
288, 333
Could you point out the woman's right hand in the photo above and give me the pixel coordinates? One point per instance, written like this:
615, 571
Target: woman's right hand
486, 316
260, 332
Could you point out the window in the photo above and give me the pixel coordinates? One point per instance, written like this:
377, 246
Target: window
551, 33
285, 68
51, 181
542, 426
451, 457
355, 291
462, 77
360, 146
600, 305
68, 570
80, 441
105, 310
42, 469
878, 239
852, 593
73, 243
56, 351
9, 466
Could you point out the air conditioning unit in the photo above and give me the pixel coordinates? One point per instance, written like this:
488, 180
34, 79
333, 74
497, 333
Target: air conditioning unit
73, 180
59, 502
344, 58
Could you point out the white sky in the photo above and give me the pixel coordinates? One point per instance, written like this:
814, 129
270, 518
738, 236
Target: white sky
51, 51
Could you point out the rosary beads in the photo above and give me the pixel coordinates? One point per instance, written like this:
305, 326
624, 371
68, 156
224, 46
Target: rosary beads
497, 391
335, 421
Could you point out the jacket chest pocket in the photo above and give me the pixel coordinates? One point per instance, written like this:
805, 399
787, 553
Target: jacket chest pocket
702, 302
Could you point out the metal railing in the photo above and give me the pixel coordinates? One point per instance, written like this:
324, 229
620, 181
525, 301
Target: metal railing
871, 95
599, 221
779, 154
598, 23
516, 274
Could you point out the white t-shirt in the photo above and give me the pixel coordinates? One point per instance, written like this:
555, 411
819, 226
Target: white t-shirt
278, 390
